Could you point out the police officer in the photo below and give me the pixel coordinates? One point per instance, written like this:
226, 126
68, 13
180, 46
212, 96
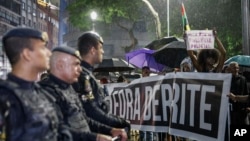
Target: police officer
64, 70
90, 46
32, 116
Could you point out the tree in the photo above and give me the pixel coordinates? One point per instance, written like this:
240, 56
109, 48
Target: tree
157, 18
109, 11
225, 15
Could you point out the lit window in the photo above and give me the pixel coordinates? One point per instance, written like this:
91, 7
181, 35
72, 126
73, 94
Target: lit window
23, 6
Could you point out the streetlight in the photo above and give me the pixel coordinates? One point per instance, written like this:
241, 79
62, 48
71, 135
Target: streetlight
93, 16
168, 16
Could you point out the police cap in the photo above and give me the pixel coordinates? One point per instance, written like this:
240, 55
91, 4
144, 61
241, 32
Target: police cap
91, 35
22, 32
68, 50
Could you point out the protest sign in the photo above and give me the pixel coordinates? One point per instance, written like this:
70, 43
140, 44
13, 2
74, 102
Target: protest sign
200, 39
192, 105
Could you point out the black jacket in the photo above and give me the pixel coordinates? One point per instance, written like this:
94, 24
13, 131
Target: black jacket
92, 97
71, 110
31, 115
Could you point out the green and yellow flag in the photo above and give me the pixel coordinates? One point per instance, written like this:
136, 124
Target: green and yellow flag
184, 18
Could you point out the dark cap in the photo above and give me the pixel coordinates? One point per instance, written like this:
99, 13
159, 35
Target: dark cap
22, 32
68, 50
91, 35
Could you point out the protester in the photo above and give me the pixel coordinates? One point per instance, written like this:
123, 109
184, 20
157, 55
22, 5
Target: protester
146, 135
209, 60
122, 79
240, 98
64, 70
186, 65
31, 116
145, 71
238, 87
90, 46
104, 80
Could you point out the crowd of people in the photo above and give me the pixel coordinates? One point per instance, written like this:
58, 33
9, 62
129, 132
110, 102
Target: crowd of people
67, 103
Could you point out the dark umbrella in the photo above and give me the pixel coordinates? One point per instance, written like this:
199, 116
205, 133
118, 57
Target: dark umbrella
114, 65
156, 44
171, 54
242, 60
144, 57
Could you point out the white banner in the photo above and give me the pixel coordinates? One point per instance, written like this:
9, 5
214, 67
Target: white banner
192, 105
200, 39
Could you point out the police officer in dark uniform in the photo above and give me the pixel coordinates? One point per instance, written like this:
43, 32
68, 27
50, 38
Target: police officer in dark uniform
64, 70
31, 115
90, 46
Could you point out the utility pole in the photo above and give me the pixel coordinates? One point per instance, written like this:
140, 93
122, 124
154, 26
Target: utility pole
168, 15
245, 5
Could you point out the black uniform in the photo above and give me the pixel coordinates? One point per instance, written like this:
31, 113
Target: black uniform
72, 112
31, 115
92, 97
4, 120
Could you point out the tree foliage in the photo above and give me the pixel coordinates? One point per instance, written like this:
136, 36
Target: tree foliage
108, 11
224, 15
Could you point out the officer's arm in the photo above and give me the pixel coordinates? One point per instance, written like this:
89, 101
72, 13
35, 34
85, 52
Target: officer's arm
98, 127
104, 129
91, 107
79, 136
95, 112
67, 132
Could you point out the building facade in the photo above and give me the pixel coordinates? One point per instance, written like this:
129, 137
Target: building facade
36, 14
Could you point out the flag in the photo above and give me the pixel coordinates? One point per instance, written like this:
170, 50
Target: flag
184, 18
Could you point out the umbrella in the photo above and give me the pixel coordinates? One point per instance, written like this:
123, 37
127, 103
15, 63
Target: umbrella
242, 60
114, 65
171, 54
144, 57
156, 44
